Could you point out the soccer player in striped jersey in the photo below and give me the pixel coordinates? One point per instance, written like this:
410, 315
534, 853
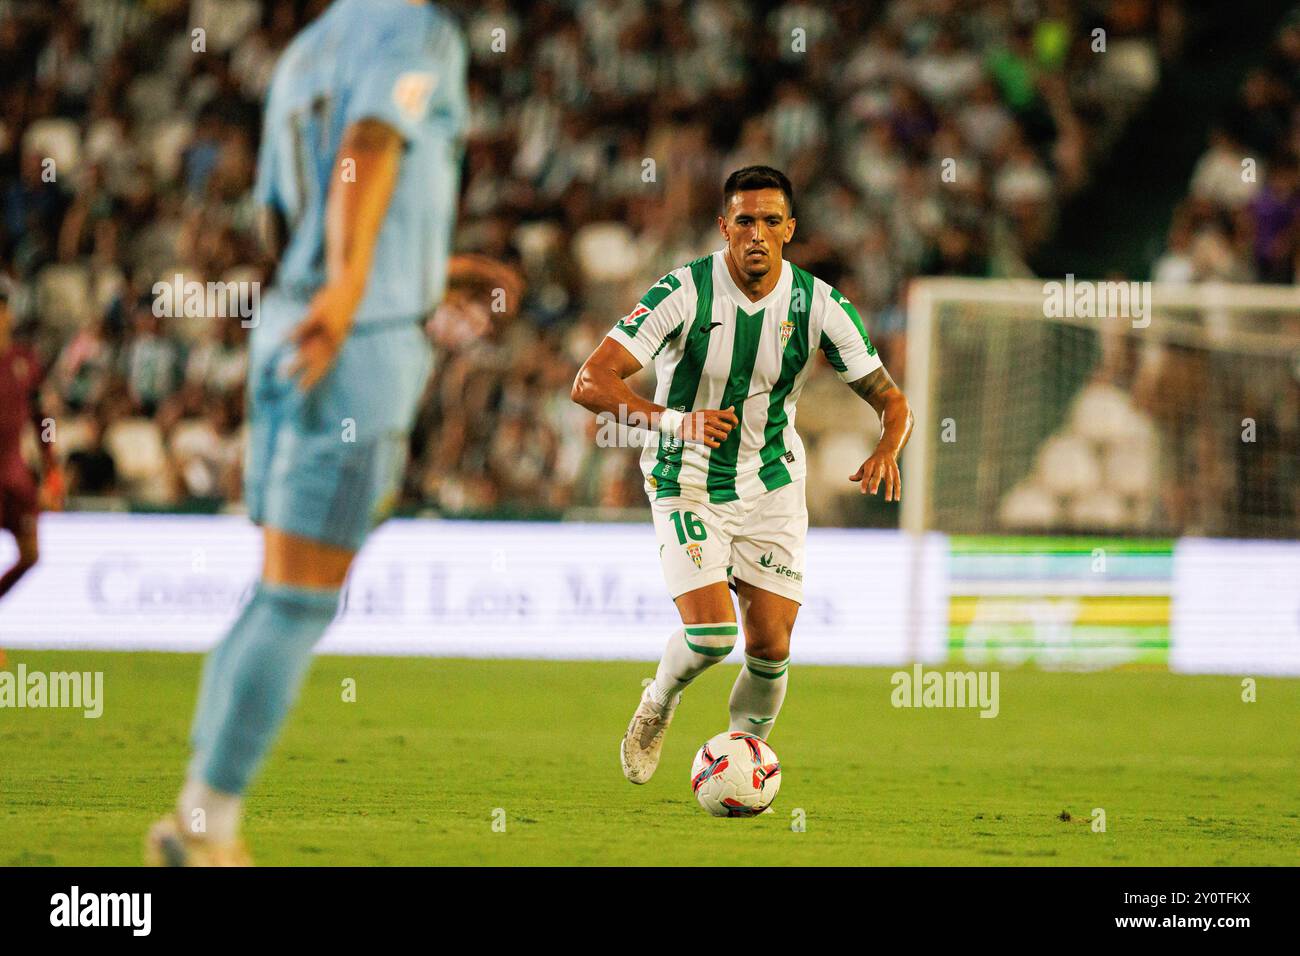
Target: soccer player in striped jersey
732, 337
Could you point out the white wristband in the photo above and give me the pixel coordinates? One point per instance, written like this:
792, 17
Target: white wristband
670, 423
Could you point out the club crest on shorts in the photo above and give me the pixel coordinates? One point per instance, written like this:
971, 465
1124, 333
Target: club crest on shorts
787, 330
696, 554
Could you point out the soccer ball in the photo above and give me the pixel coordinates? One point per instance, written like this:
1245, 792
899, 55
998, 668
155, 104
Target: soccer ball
735, 775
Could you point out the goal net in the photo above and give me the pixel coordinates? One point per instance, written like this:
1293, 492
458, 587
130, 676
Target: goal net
1070, 407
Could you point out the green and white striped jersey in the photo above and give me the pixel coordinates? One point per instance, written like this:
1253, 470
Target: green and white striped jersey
713, 348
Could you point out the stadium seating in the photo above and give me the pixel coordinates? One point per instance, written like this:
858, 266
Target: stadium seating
155, 143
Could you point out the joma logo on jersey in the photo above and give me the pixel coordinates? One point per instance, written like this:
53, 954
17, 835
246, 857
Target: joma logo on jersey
696, 555
767, 562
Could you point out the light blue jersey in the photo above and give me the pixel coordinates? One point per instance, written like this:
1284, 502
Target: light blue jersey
327, 464
396, 61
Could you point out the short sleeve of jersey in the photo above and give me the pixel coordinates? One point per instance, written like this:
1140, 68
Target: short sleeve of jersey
419, 83
658, 318
844, 337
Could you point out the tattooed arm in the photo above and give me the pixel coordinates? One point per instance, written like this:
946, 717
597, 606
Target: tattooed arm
878, 390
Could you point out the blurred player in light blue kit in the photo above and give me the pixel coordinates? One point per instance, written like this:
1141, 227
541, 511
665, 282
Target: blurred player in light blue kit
357, 184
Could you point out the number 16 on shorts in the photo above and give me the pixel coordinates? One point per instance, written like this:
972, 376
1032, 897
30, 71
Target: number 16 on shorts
693, 549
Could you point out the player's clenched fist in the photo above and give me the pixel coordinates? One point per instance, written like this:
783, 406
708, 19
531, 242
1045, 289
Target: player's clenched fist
710, 426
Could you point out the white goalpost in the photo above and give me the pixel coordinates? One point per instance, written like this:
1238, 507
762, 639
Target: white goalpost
1089, 407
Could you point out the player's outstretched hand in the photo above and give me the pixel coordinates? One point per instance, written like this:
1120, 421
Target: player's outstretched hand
321, 333
881, 467
709, 426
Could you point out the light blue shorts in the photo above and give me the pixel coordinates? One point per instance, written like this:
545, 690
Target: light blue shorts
327, 465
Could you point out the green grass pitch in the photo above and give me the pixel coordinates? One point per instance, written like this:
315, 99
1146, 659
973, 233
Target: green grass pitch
431, 752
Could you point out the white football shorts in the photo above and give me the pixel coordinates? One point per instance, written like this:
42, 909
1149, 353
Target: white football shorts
759, 541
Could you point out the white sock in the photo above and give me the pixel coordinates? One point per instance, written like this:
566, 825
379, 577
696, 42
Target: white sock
690, 652
757, 695
209, 814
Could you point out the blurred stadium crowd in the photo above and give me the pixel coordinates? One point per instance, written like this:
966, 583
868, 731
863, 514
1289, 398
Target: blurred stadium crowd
1239, 221
600, 133
1157, 439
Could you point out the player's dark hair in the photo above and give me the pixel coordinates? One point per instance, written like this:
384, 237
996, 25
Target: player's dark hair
758, 177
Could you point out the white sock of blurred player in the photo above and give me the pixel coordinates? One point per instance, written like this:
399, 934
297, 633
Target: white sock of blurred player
207, 813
